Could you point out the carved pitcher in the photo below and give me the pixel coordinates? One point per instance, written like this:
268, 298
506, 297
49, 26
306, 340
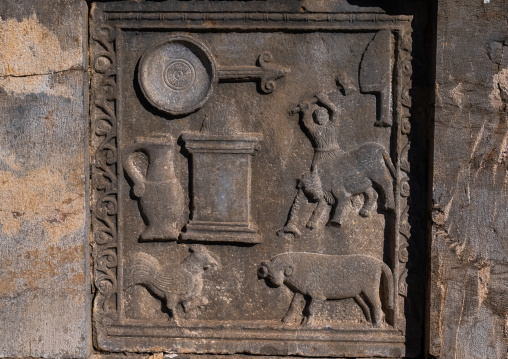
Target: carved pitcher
159, 192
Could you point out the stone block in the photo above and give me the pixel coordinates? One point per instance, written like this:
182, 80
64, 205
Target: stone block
469, 256
257, 184
44, 276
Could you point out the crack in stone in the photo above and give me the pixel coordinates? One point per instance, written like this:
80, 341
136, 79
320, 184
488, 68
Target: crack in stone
73, 69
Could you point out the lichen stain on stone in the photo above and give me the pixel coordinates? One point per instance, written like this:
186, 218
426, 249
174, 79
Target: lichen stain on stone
483, 283
457, 94
7, 286
499, 83
43, 196
54, 261
9, 158
29, 48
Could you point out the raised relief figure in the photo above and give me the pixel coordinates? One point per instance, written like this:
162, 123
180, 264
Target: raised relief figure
336, 175
321, 277
173, 283
179, 75
375, 74
160, 194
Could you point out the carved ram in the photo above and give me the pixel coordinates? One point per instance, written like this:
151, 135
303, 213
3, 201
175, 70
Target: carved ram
321, 277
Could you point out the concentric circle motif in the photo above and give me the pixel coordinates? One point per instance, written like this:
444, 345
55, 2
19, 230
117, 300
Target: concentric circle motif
179, 74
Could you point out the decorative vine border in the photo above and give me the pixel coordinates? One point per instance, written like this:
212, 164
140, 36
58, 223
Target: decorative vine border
104, 173
403, 145
104, 122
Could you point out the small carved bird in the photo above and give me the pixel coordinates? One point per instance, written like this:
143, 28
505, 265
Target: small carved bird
172, 283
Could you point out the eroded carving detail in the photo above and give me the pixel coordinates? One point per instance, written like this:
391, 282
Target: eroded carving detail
179, 74
173, 283
159, 192
323, 277
266, 73
376, 74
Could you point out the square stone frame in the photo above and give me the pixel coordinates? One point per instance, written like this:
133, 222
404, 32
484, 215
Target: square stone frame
114, 333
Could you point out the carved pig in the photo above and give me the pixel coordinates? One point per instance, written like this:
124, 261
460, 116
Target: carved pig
320, 277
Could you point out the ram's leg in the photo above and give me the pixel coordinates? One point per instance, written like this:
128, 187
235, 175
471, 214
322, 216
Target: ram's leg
341, 200
372, 296
378, 311
370, 200
384, 183
291, 225
295, 308
316, 214
312, 308
365, 308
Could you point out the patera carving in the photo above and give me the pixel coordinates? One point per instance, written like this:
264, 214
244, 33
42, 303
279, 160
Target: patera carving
179, 74
173, 283
323, 277
158, 190
336, 175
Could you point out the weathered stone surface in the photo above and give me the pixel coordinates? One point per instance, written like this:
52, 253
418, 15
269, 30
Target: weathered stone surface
469, 259
44, 273
258, 178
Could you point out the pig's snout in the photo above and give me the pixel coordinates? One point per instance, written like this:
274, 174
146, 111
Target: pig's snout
263, 271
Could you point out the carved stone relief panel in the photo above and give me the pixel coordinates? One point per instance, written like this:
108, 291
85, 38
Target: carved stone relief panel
251, 181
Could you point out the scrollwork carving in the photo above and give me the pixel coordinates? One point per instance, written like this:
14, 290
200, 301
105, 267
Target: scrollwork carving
104, 178
405, 72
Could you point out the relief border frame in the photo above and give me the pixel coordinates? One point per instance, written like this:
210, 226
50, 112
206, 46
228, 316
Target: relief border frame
106, 27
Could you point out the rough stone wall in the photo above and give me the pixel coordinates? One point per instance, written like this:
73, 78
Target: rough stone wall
469, 256
44, 275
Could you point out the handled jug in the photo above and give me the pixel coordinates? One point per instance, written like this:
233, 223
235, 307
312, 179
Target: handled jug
158, 190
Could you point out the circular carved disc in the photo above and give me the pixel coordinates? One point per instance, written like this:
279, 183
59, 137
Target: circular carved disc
178, 75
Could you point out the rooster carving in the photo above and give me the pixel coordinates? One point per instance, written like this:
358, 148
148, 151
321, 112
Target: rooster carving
173, 283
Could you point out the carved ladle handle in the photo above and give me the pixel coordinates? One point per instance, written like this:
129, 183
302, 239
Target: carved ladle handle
132, 171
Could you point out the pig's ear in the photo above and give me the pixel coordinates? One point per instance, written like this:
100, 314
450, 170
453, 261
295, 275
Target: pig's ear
288, 271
